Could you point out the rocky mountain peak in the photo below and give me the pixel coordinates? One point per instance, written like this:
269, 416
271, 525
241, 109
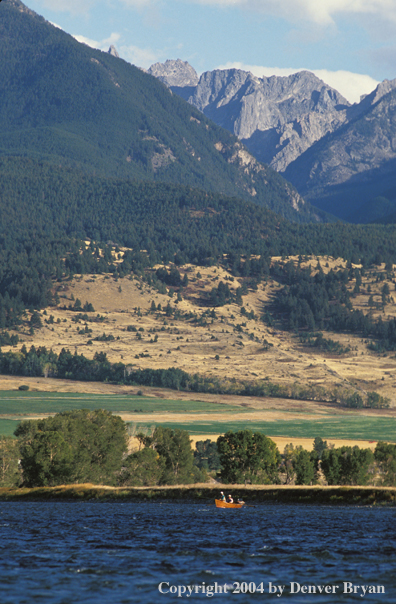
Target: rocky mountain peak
159, 138
369, 100
113, 52
277, 118
175, 73
382, 89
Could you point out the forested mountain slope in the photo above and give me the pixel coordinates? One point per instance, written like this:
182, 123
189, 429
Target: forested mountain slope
38, 199
66, 103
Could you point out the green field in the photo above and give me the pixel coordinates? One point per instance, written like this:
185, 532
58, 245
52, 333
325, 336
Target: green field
24, 403
333, 427
17, 404
7, 426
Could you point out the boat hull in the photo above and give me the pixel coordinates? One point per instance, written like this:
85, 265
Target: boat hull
223, 504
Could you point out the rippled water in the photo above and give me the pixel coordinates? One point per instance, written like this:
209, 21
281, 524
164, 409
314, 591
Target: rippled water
119, 553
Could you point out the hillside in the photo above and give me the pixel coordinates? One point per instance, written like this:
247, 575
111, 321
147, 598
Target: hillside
226, 343
39, 200
70, 105
46, 212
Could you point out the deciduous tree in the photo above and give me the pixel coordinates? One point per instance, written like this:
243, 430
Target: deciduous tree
347, 465
206, 455
174, 449
142, 468
9, 456
73, 446
385, 456
245, 455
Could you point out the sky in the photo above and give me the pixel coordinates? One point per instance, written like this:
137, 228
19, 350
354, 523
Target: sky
350, 44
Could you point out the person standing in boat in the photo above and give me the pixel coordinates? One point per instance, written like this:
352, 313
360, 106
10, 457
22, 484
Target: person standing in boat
230, 499
222, 496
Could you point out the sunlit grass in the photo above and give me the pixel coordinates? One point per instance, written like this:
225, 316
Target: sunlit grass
18, 402
336, 427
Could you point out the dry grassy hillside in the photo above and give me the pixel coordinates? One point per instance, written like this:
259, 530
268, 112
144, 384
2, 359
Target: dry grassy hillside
223, 343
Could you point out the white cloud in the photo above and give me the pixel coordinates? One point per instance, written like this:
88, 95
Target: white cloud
87, 41
318, 11
102, 44
142, 57
350, 85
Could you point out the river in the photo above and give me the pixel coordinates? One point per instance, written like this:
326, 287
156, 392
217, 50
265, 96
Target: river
148, 553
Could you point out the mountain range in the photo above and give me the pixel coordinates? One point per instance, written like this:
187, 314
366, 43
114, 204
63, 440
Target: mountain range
68, 104
238, 135
106, 171
340, 156
278, 118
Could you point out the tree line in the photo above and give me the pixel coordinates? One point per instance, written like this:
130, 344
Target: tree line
92, 446
39, 362
254, 458
75, 447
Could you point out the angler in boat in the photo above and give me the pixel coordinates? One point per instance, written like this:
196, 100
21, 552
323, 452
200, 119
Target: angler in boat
223, 503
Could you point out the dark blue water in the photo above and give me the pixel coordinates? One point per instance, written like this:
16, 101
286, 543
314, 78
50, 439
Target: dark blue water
119, 553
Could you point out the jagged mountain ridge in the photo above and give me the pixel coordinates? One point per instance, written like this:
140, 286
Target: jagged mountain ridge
66, 103
341, 157
277, 118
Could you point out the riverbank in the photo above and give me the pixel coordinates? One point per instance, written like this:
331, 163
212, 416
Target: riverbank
253, 494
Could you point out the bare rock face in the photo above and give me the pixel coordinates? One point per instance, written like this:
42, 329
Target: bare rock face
175, 73
352, 172
113, 52
364, 144
382, 89
338, 155
277, 118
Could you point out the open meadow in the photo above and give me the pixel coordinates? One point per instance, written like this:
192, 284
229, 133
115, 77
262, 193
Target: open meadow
201, 418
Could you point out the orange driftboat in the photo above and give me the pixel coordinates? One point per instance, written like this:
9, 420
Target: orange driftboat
223, 504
